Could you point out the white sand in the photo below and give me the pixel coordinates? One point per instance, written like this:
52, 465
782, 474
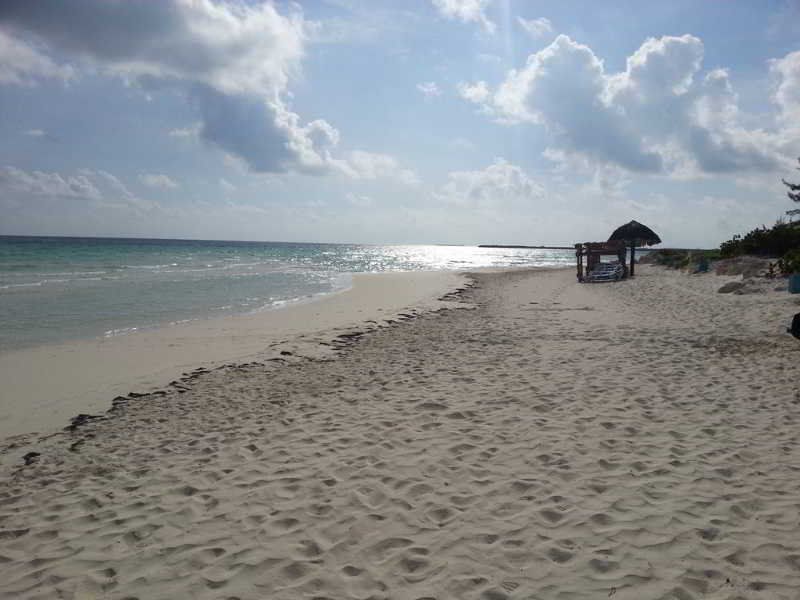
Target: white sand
42, 388
636, 440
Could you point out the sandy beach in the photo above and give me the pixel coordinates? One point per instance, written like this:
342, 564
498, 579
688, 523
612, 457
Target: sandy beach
43, 387
527, 437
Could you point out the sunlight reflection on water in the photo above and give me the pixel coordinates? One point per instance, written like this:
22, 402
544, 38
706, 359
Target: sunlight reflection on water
55, 289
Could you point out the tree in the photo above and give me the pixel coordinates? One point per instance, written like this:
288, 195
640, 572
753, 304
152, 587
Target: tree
793, 193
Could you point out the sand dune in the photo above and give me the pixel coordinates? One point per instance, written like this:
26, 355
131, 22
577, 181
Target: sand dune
550, 440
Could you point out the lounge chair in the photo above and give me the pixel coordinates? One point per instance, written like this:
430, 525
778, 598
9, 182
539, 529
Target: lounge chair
605, 272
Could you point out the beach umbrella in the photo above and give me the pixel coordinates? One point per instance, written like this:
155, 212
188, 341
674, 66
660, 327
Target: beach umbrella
635, 234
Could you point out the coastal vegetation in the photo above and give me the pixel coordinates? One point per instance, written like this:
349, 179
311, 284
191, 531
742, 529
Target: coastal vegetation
781, 242
793, 193
790, 262
772, 242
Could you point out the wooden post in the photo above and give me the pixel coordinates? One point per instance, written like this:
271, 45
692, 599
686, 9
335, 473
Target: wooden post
579, 257
633, 255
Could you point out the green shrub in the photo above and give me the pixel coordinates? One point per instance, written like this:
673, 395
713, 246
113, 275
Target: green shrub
681, 259
667, 258
763, 241
789, 263
712, 255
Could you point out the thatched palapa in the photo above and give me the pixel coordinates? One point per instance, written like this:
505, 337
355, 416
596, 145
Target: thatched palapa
634, 234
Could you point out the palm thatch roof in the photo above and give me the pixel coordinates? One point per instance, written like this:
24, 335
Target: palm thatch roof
635, 233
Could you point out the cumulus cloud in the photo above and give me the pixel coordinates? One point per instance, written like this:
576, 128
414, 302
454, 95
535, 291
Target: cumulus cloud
787, 92
536, 28
232, 47
370, 165
468, 11
659, 115
234, 61
562, 87
498, 184
158, 180
429, 89
474, 92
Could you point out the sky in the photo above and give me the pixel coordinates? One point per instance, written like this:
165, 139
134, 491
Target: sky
421, 121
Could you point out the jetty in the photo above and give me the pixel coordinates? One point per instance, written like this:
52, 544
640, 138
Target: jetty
527, 247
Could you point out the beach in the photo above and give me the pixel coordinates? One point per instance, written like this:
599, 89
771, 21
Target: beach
506, 434
44, 386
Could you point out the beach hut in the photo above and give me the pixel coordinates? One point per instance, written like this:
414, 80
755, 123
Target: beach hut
634, 234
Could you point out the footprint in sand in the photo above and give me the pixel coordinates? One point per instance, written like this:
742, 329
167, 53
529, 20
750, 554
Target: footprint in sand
552, 516
559, 555
602, 566
441, 515
285, 525
386, 548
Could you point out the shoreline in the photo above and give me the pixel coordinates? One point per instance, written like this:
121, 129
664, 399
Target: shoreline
168, 324
45, 386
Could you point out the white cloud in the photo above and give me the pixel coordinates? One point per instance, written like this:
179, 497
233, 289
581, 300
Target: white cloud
787, 92
116, 193
39, 183
81, 202
657, 116
605, 180
227, 185
186, 132
468, 11
234, 60
536, 28
35, 132
21, 63
476, 92
429, 89
370, 165
232, 47
97, 187
158, 180
498, 184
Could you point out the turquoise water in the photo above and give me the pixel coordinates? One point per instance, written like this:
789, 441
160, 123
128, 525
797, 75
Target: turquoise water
58, 289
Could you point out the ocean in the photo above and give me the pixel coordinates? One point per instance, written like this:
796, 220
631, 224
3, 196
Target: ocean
56, 289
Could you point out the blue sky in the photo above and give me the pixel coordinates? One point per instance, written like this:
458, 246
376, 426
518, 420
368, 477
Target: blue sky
426, 121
